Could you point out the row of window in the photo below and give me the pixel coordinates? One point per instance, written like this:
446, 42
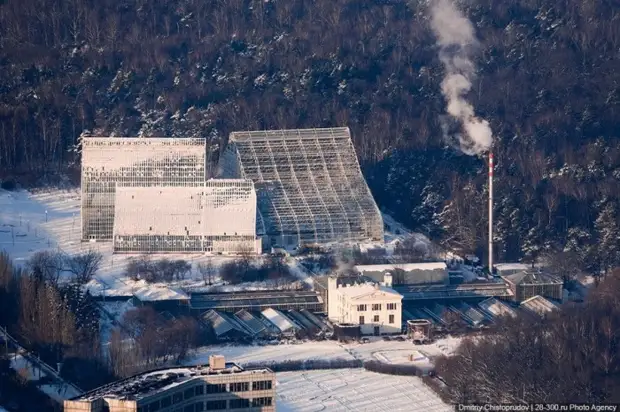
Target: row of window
200, 390
375, 319
222, 405
376, 306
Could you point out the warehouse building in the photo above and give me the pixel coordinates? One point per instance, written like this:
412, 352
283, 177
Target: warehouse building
407, 273
256, 301
309, 184
109, 162
218, 386
219, 216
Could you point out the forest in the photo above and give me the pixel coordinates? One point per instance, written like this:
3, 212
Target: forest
547, 80
568, 357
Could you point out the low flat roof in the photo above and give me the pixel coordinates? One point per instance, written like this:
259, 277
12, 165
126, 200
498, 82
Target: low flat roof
148, 383
404, 266
205, 301
465, 290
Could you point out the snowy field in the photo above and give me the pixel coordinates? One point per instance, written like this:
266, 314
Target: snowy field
377, 349
50, 219
354, 390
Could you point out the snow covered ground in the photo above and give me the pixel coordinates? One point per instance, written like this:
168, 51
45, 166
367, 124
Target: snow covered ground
354, 390
377, 349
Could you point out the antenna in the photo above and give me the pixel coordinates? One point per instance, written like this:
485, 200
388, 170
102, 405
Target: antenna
491, 213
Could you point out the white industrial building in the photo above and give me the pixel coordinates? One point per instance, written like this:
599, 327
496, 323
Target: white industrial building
309, 184
376, 308
112, 162
219, 216
407, 273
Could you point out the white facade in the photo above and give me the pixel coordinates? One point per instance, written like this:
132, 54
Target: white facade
217, 217
376, 308
111, 162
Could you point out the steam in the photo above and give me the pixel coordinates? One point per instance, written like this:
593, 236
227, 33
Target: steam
455, 36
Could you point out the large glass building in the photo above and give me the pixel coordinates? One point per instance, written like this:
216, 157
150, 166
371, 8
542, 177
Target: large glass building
309, 185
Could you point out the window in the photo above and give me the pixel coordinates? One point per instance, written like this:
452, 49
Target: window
375, 318
261, 402
391, 306
239, 386
391, 319
189, 393
200, 390
361, 320
361, 308
200, 407
261, 385
216, 405
166, 402
376, 306
238, 403
216, 388
155, 406
177, 397
189, 408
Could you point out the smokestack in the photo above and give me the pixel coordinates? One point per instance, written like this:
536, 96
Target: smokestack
490, 213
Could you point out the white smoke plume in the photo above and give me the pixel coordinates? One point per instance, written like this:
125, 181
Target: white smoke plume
456, 39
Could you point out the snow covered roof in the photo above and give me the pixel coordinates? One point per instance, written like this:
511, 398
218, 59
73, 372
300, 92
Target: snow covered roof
250, 322
153, 293
146, 384
220, 324
405, 266
539, 305
279, 319
531, 278
359, 291
496, 308
511, 266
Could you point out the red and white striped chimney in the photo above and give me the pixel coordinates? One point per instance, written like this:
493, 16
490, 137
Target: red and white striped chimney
490, 213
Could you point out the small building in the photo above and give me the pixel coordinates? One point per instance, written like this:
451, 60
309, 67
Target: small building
419, 330
529, 283
538, 305
346, 332
407, 273
161, 298
218, 386
376, 308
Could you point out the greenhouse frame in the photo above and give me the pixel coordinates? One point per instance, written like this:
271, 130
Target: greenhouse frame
309, 185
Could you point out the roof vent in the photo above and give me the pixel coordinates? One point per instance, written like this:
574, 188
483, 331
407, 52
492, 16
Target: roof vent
217, 362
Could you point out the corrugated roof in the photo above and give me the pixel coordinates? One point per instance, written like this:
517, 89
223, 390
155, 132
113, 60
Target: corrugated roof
405, 266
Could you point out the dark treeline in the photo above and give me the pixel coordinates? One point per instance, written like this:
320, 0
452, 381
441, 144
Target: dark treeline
569, 357
54, 320
59, 322
548, 82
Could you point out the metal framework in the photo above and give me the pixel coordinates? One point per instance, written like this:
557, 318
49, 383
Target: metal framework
309, 184
108, 163
217, 217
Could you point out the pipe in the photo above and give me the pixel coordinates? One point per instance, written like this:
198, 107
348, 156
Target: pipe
490, 213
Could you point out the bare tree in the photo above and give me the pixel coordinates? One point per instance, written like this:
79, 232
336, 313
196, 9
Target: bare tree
47, 265
84, 266
207, 271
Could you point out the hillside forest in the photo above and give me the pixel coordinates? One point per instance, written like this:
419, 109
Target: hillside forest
548, 82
